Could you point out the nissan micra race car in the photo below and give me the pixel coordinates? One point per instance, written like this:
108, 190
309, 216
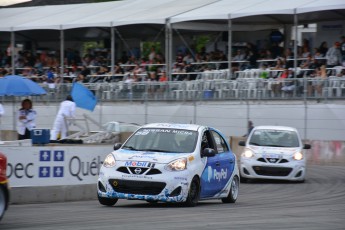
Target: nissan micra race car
170, 163
273, 152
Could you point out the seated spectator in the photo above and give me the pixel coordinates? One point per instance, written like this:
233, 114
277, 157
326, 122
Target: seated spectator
288, 86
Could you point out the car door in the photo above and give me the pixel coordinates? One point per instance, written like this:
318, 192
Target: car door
211, 175
225, 161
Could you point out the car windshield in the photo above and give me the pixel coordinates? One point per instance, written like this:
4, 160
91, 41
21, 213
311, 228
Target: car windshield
162, 140
274, 138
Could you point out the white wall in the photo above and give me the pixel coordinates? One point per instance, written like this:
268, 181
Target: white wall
325, 121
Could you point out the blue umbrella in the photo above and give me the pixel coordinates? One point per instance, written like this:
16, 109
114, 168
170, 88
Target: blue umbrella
14, 85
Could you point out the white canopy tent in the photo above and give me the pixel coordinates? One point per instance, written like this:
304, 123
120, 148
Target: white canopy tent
224, 15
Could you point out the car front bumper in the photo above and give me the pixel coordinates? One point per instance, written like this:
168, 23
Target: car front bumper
293, 171
166, 187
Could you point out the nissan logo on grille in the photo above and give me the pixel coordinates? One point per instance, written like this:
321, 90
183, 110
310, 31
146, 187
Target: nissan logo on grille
137, 170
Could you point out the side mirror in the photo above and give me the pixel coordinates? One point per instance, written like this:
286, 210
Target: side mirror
307, 146
117, 146
208, 152
242, 143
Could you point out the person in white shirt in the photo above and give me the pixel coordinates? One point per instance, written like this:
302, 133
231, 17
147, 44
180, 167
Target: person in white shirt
66, 110
26, 117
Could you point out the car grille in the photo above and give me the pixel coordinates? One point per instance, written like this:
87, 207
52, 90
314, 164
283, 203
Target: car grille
272, 160
139, 170
137, 187
271, 171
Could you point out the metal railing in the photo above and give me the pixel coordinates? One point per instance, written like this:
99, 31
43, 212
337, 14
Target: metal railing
204, 89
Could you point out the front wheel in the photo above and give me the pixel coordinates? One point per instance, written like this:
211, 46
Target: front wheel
107, 201
233, 193
193, 193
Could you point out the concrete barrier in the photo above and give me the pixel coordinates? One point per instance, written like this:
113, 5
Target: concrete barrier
62, 193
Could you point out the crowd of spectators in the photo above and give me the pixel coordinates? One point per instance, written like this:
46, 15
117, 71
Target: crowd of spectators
94, 65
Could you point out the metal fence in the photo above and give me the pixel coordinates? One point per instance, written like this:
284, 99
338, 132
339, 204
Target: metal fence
205, 90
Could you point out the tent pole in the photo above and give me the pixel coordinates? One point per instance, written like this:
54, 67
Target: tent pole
62, 48
13, 53
112, 50
295, 43
230, 46
168, 48
295, 75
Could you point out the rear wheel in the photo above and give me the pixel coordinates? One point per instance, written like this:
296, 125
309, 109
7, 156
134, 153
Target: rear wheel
107, 201
3, 202
233, 193
193, 193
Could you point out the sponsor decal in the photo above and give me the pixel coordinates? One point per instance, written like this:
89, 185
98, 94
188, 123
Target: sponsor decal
213, 174
136, 176
137, 163
143, 156
180, 178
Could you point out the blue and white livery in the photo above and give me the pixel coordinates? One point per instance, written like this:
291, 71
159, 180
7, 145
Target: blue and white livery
170, 163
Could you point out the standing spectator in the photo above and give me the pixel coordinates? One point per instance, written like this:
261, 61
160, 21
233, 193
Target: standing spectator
250, 128
342, 50
323, 48
26, 117
333, 56
66, 110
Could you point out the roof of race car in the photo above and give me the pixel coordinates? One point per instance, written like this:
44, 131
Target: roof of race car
192, 127
275, 128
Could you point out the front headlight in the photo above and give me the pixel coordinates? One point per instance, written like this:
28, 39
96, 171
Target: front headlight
248, 153
298, 156
109, 161
177, 165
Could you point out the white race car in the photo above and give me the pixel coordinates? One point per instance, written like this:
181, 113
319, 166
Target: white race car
273, 152
170, 163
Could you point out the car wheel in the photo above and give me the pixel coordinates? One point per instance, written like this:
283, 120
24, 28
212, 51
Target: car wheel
107, 201
233, 193
193, 193
3, 202
152, 201
244, 179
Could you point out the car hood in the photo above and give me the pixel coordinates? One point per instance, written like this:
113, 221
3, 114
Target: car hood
274, 150
158, 157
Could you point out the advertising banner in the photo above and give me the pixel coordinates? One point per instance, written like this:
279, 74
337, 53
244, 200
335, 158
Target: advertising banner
54, 165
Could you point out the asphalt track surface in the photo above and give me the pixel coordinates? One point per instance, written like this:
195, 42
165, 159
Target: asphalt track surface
319, 203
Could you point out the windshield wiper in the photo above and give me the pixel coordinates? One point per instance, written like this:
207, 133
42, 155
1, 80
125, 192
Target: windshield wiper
253, 143
130, 148
155, 150
275, 146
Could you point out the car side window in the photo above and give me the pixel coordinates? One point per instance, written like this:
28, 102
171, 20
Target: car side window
220, 142
206, 141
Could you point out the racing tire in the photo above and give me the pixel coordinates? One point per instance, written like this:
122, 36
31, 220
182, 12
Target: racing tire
244, 180
107, 201
233, 193
3, 202
152, 201
193, 193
